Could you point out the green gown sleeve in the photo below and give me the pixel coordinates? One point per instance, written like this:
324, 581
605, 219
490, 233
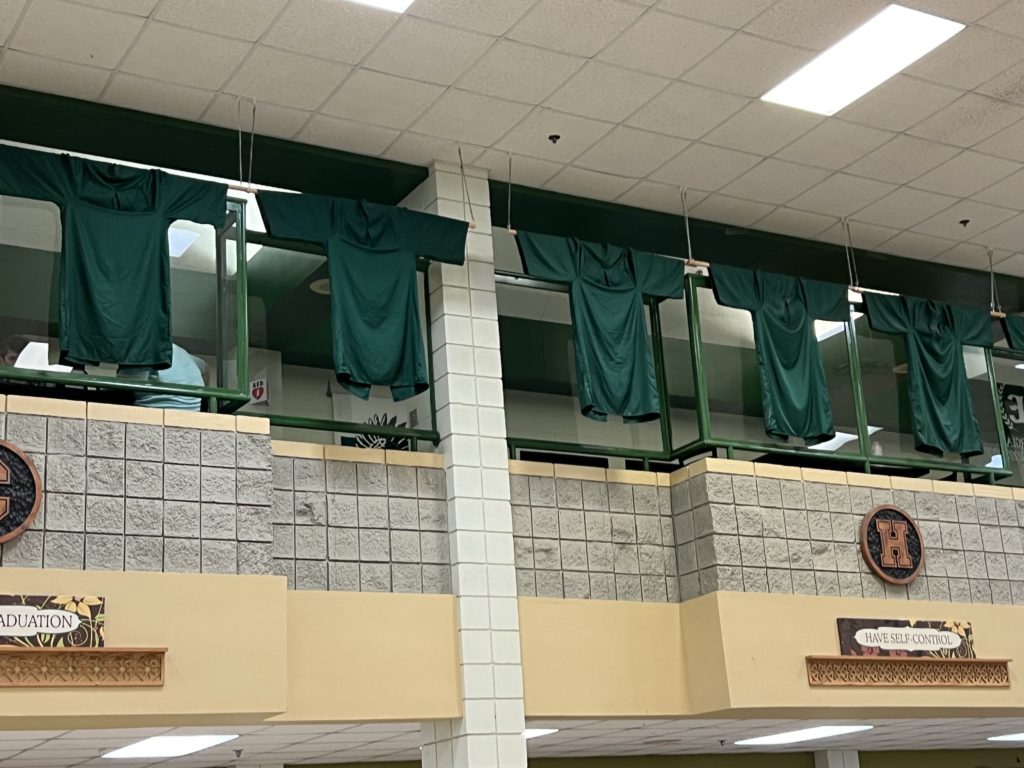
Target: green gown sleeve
548, 257
297, 217
826, 301
34, 175
1014, 326
887, 314
973, 326
736, 287
434, 237
192, 200
658, 276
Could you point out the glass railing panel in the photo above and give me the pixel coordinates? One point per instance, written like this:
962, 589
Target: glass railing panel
675, 332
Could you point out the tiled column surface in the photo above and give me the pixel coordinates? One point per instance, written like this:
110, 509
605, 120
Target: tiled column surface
471, 420
796, 531
835, 758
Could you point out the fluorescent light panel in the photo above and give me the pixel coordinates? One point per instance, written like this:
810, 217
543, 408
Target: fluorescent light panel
396, 6
885, 45
535, 733
168, 746
807, 734
1008, 737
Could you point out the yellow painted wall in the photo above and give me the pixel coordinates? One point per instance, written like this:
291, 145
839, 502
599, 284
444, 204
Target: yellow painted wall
371, 656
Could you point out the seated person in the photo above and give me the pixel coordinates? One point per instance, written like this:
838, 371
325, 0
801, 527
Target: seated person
13, 347
185, 369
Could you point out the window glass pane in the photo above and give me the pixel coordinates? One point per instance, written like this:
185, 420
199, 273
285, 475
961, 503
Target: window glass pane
1010, 382
539, 372
729, 360
675, 333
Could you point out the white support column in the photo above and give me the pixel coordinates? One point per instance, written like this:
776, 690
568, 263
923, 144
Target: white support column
471, 421
835, 758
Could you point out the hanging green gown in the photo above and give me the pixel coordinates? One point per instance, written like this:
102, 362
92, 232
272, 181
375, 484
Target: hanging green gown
115, 283
371, 260
1014, 325
935, 334
614, 366
794, 392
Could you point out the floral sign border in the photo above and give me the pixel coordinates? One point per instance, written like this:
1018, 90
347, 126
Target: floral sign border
907, 638
75, 621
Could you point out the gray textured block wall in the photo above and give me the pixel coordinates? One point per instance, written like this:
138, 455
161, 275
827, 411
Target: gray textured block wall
759, 534
593, 540
360, 527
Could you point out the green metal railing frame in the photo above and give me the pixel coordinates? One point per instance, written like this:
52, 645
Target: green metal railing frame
707, 443
414, 435
218, 399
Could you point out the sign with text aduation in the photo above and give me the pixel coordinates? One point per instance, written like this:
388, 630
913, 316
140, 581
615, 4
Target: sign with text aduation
891, 545
52, 621
21, 491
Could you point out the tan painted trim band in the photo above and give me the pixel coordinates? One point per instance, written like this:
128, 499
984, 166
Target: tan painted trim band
570, 472
252, 425
912, 484
414, 459
881, 482
535, 468
129, 414
218, 422
46, 406
631, 476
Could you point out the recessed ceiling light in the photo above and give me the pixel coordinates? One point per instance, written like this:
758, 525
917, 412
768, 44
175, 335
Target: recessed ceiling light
536, 733
807, 734
396, 6
168, 746
321, 286
885, 45
1019, 366
1008, 737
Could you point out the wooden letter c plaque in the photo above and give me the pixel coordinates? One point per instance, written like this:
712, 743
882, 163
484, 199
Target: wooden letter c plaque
21, 491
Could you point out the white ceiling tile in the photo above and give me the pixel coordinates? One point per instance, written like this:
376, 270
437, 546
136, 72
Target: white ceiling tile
834, 144
581, 27
748, 65
730, 210
958, 10
916, 246
864, 236
969, 59
362, 96
813, 24
762, 128
630, 152
133, 7
786, 221
157, 97
727, 13
287, 79
526, 171
1009, 142
966, 174
774, 181
1008, 234
981, 218
489, 18
471, 117
10, 11
1008, 19
972, 256
330, 29
271, 120
1009, 193
35, 73
841, 195
968, 120
425, 150
347, 135
899, 103
664, 44
590, 184
1008, 86
902, 159
687, 111
520, 72
70, 32
904, 208
705, 167
163, 52
530, 137
659, 197
604, 92
422, 50
1012, 266
226, 19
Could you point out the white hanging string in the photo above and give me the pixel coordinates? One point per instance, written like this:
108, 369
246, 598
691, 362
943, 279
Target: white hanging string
851, 255
690, 261
508, 212
995, 306
245, 185
466, 199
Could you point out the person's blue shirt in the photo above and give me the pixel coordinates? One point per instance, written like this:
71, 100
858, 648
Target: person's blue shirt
185, 369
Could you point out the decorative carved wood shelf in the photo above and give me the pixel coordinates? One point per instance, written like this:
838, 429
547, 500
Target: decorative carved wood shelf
907, 671
81, 667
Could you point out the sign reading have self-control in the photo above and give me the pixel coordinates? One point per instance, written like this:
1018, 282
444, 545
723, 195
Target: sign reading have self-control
21, 491
891, 544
